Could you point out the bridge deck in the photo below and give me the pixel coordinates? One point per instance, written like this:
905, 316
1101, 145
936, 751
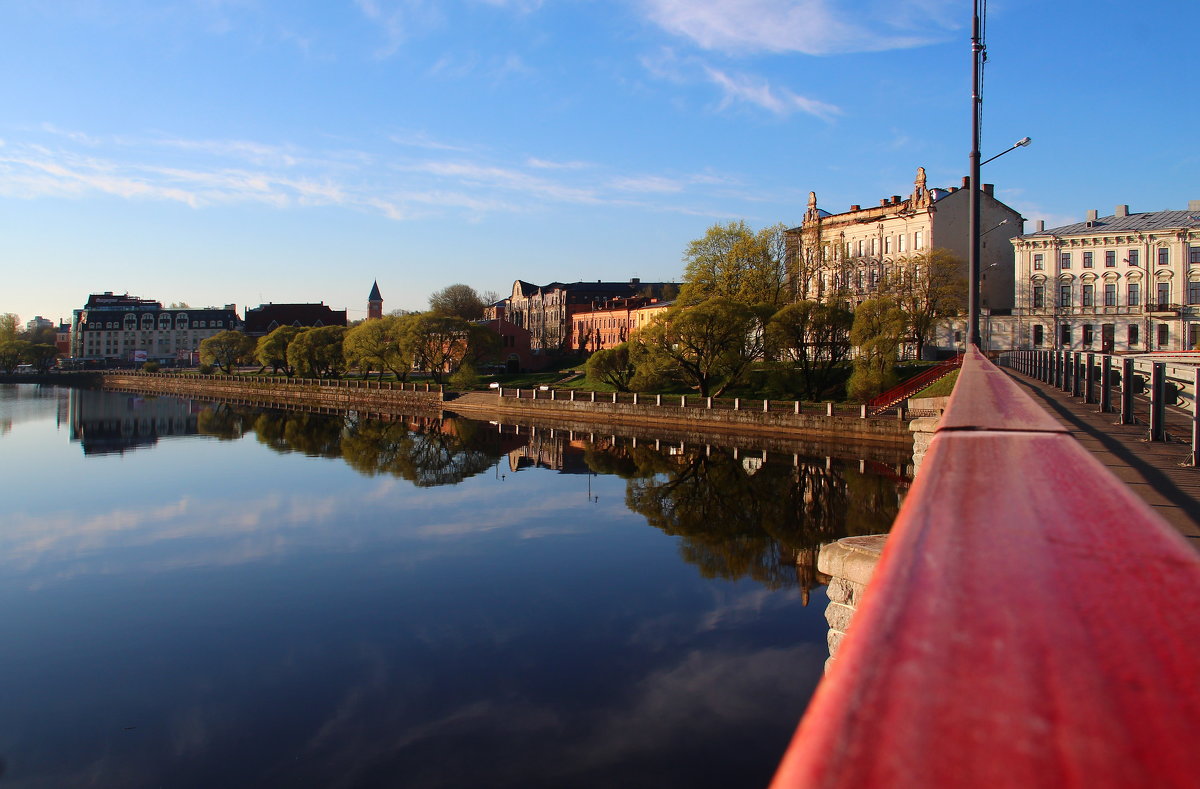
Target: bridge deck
1152, 470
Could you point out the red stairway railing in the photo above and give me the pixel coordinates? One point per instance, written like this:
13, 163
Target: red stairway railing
913, 385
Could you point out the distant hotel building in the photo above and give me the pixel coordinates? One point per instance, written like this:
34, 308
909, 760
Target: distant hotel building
130, 329
1125, 282
547, 311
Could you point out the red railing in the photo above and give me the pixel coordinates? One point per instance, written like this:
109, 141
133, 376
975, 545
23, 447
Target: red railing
913, 385
1031, 622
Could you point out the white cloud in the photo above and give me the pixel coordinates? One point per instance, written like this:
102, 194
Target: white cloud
812, 27
757, 91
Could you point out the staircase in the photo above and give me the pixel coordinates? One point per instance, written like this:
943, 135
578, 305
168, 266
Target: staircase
897, 394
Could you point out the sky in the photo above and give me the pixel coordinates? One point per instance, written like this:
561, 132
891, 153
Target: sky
252, 151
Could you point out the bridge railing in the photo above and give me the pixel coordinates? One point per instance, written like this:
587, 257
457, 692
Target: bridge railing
1153, 389
1031, 622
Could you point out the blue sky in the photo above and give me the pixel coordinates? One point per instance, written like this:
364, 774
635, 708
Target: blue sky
216, 151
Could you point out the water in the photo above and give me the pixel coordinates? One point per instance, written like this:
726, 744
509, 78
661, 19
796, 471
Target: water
203, 596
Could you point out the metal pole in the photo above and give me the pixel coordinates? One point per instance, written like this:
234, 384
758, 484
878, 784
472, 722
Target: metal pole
1127, 391
973, 221
1158, 391
1089, 378
1105, 384
1196, 418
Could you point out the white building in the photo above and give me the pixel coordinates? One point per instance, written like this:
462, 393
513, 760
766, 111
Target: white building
132, 330
1120, 283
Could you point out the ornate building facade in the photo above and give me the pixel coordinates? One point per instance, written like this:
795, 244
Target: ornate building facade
547, 311
851, 253
1120, 283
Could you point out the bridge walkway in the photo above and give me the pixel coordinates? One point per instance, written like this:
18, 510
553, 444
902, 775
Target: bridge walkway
1155, 471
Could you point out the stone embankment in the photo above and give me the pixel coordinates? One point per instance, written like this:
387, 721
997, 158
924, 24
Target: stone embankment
574, 410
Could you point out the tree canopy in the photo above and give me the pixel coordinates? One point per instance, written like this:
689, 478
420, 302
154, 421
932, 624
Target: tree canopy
815, 337
380, 345
928, 287
734, 262
878, 329
612, 366
318, 352
226, 349
457, 300
272, 349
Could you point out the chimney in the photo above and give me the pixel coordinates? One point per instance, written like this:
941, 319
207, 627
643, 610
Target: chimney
895, 199
1092, 215
883, 201
1041, 226
1194, 205
1123, 210
953, 189
855, 207
966, 184
634, 281
989, 189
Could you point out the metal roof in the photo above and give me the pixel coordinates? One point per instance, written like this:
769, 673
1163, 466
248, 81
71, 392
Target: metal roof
1150, 220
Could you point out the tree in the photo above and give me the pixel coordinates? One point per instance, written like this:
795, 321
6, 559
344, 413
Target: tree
612, 366
272, 349
815, 336
733, 262
928, 287
458, 300
179, 305
10, 325
41, 355
318, 352
379, 345
879, 326
440, 343
226, 349
710, 345
12, 353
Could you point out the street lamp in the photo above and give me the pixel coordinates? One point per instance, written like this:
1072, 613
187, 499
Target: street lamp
978, 56
1021, 143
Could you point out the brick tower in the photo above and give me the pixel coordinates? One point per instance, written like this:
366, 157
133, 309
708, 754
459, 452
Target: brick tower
374, 303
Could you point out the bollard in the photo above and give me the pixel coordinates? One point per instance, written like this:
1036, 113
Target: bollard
1089, 378
635, 399
683, 401
708, 403
829, 409
1127, 392
737, 403
553, 393
797, 406
593, 397
766, 406
1077, 374
658, 400
1105, 384
572, 395
614, 397
862, 412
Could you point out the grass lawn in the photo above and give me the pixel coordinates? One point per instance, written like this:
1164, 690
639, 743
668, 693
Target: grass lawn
939, 388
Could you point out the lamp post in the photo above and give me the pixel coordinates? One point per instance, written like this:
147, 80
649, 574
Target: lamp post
978, 56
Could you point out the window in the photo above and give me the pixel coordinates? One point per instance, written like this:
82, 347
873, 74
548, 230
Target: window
903, 239
1087, 260
1110, 259
887, 245
1039, 297
1133, 257
860, 247
1088, 333
1064, 260
1110, 294
1194, 256
1193, 293
1039, 335
1164, 335
1164, 293
1193, 335
1164, 257
1039, 262
1064, 295
1064, 334
1133, 335
1089, 295
919, 239
1135, 294
874, 245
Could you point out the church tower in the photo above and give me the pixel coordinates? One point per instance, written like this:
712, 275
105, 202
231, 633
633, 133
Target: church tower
374, 303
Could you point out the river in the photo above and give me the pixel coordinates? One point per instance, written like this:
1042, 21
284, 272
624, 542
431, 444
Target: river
200, 595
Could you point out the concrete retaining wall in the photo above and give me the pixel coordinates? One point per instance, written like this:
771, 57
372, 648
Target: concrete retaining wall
369, 396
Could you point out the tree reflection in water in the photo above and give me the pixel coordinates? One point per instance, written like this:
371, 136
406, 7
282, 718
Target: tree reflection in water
736, 515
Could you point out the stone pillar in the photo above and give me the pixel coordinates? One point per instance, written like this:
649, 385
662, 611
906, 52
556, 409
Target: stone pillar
849, 562
923, 429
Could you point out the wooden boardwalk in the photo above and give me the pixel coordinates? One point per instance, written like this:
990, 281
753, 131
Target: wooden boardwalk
1155, 471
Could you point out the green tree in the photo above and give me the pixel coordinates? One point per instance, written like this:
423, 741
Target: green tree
379, 345
226, 349
458, 300
612, 366
271, 350
815, 336
439, 344
10, 325
710, 345
318, 352
734, 262
879, 326
41, 355
12, 353
929, 287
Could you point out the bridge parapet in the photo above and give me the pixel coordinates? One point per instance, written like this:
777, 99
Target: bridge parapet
1031, 622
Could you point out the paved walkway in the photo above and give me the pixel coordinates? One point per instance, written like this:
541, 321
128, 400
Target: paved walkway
1154, 471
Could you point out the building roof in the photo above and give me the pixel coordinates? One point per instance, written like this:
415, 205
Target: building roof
259, 319
375, 292
1132, 223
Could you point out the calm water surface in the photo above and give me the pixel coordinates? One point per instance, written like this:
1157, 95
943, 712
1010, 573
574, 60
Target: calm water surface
211, 596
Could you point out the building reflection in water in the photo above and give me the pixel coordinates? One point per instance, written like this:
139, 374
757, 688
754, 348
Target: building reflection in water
106, 423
